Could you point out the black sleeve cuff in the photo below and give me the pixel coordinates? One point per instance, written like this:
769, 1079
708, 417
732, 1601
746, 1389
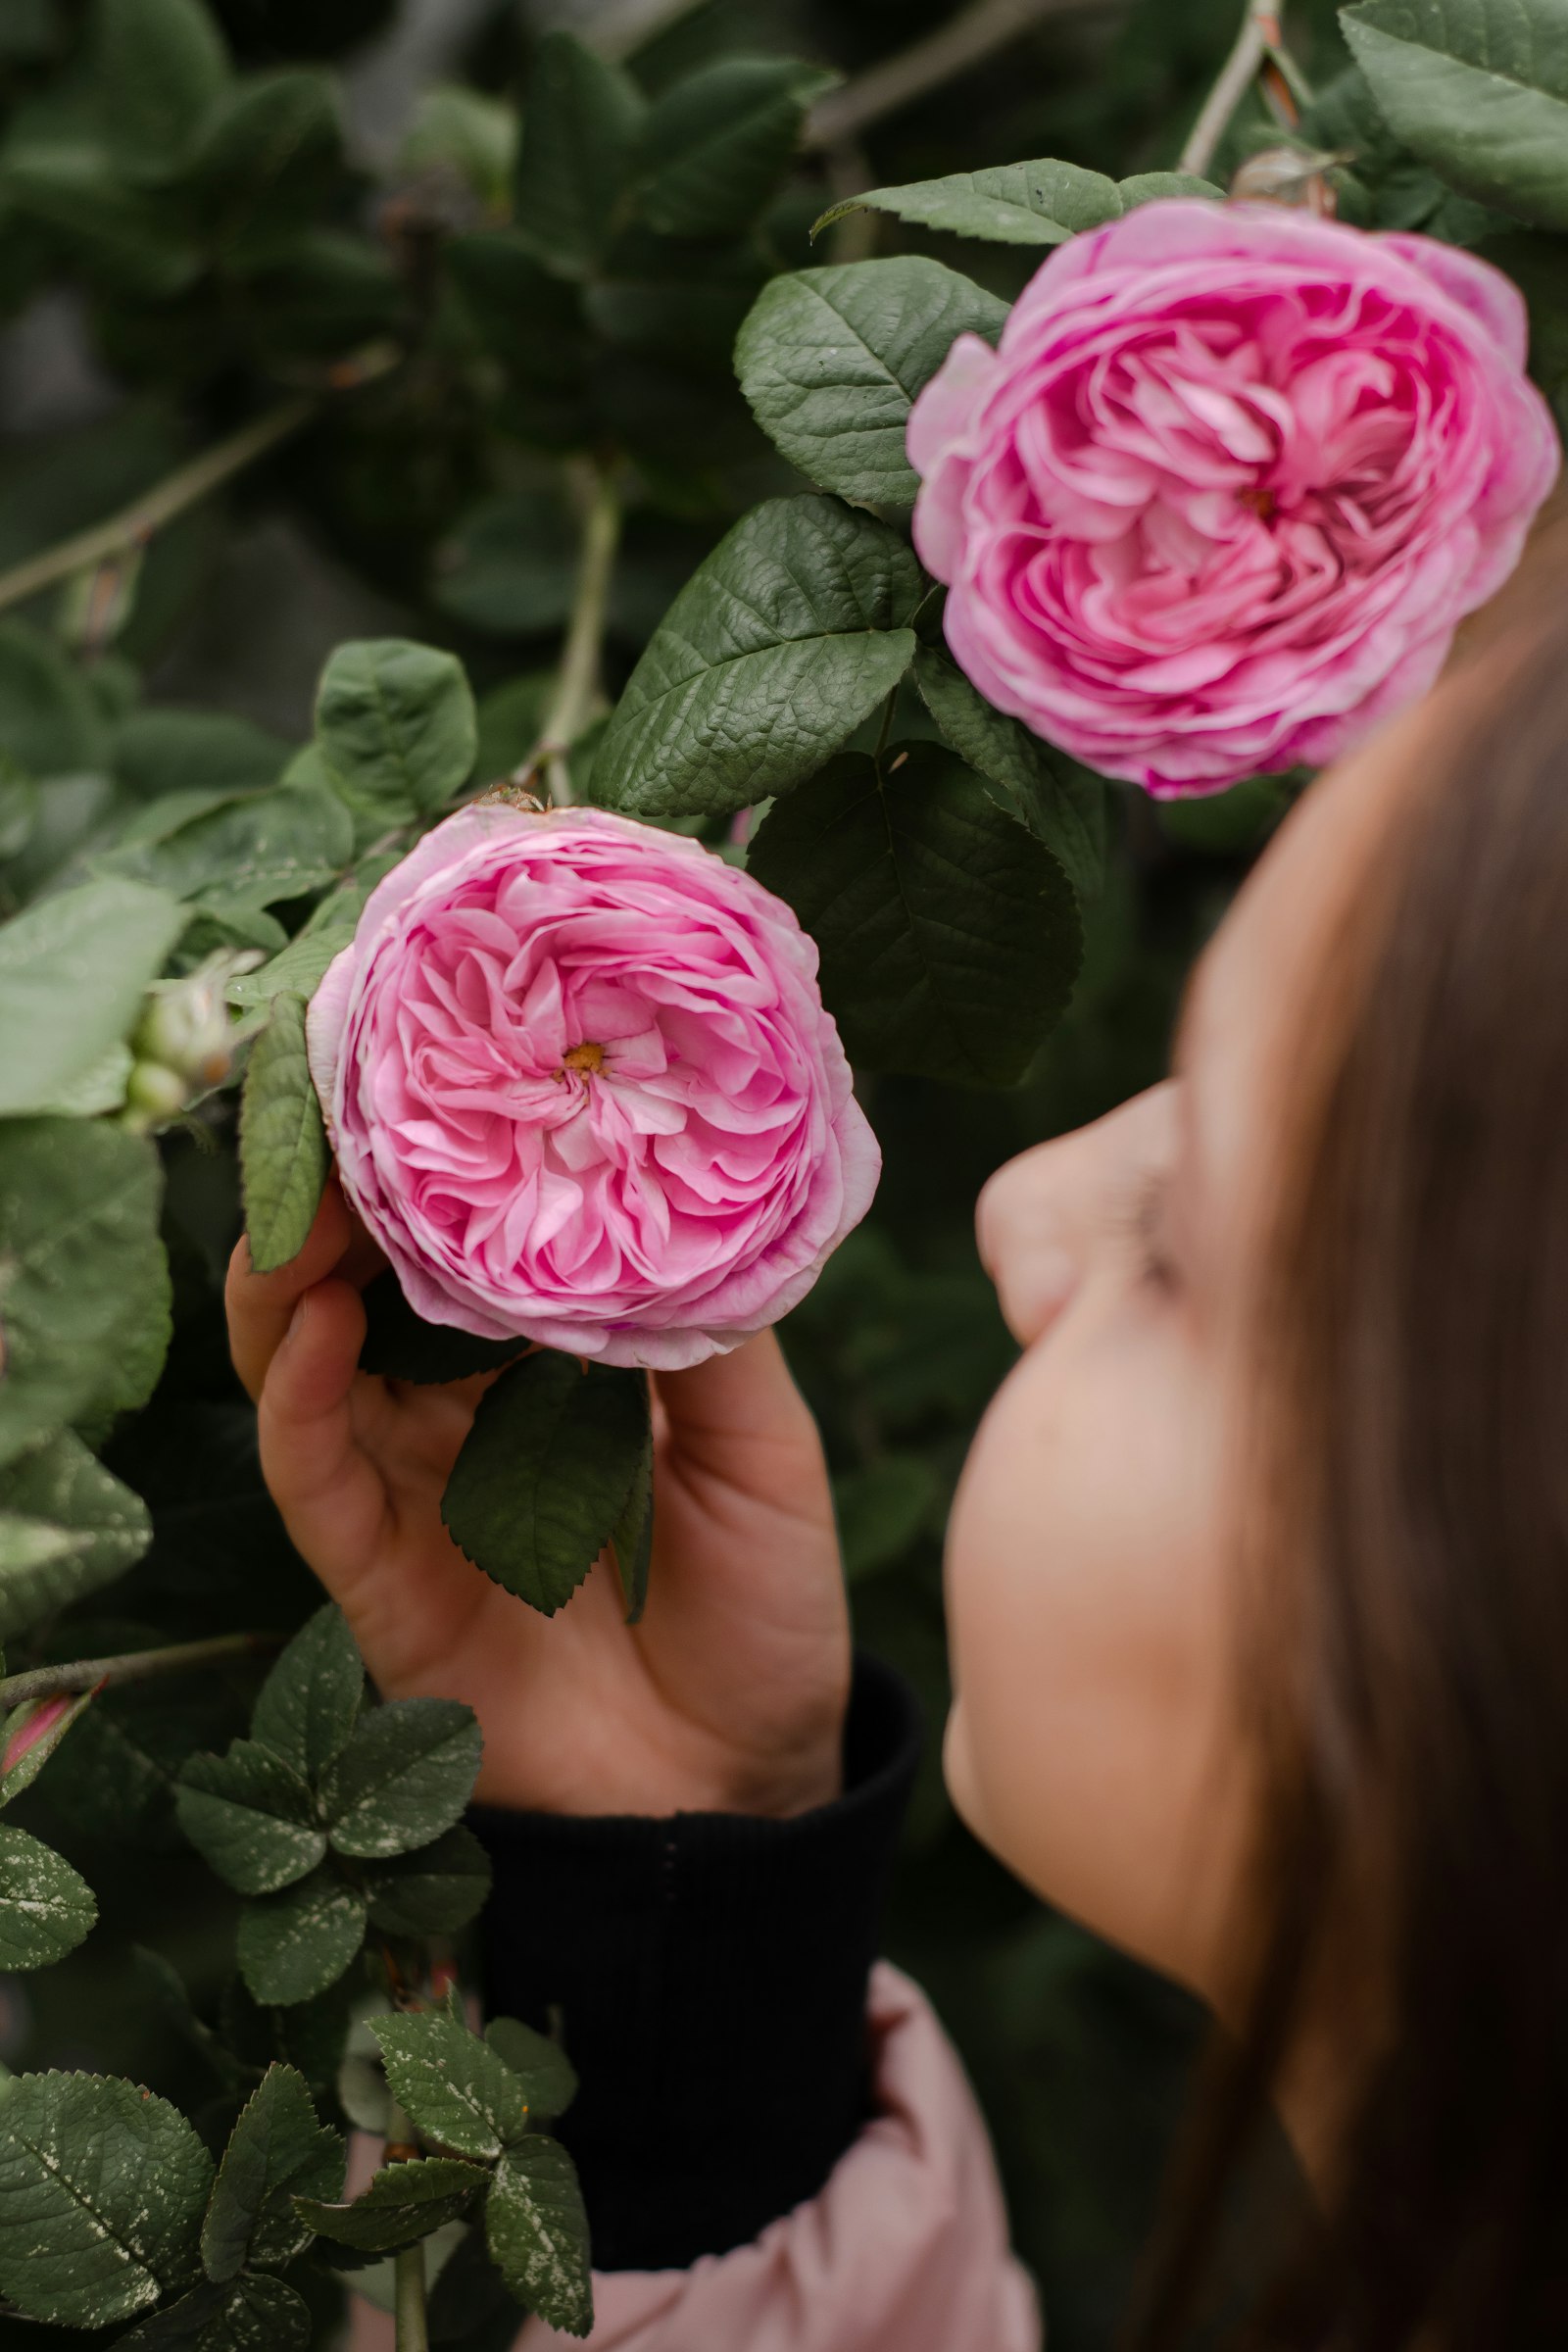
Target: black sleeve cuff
710, 1974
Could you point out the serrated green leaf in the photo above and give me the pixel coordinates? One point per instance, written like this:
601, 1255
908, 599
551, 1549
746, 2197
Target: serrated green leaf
632, 1536
310, 2034
102, 2188
457, 2089
1479, 91
310, 1701
1040, 203
83, 1279
789, 634
72, 970
715, 144
404, 1776
292, 1946
1061, 803
433, 1890
299, 969
538, 2234
277, 2151
164, 64
46, 1907
400, 1345
832, 360
580, 127
545, 1472
66, 1527
251, 1818
236, 852
116, 1779
266, 163
395, 727
402, 2203
548, 2076
283, 1152
948, 935
249, 2314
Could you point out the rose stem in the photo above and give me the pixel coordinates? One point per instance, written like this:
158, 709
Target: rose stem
1258, 37
136, 1666
407, 2264
577, 683
967, 40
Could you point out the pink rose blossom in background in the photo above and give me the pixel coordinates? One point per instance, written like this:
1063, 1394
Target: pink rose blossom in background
581, 1088
1231, 480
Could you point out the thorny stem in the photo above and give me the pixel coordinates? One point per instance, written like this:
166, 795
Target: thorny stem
132, 529
1259, 38
135, 1666
577, 683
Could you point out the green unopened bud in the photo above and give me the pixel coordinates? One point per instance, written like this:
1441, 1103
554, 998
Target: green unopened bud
185, 1025
154, 1095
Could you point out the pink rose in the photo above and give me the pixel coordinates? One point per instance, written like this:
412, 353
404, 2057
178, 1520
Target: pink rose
1228, 485
581, 1088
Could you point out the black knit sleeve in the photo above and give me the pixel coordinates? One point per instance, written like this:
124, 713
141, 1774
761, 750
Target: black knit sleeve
709, 1970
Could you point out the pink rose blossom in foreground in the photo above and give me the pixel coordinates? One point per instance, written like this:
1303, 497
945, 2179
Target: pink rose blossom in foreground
581, 1088
1234, 475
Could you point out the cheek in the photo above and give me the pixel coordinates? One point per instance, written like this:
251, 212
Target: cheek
1093, 1744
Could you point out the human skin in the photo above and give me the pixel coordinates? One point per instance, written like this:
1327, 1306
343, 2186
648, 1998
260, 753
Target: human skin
1095, 1742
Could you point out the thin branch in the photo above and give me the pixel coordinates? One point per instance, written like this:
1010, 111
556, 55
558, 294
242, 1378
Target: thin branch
966, 41
136, 523
1257, 39
134, 1666
577, 684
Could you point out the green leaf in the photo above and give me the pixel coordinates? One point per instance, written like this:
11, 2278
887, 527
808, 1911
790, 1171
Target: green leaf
310, 2034
831, 361
457, 131
49, 725
1062, 805
66, 1527
715, 144
632, 1536
163, 65
433, 1890
950, 937
135, 239
310, 1701
458, 2090
72, 970
404, 1776
165, 750
549, 2078
404, 2203
789, 634
102, 2188
1041, 203
395, 727
251, 1818
545, 1472
236, 851
45, 1907
284, 1159
510, 566
84, 1279
298, 969
538, 2234
580, 127
400, 1345
882, 1508
46, 1722
292, 1946
278, 2149
250, 2314
1479, 91
267, 163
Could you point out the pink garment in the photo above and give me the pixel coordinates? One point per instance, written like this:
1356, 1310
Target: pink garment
905, 2250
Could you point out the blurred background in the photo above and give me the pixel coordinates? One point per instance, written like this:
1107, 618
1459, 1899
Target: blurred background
421, 496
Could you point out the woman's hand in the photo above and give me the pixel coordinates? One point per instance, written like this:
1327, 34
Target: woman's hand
729, 1696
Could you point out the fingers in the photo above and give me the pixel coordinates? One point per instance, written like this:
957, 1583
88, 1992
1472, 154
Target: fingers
261, 1306
331, 1497
749, 1394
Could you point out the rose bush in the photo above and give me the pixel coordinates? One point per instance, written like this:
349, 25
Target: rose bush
1221, 496
581, 1088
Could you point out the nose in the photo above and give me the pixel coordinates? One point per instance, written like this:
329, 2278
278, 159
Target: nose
1042, 1219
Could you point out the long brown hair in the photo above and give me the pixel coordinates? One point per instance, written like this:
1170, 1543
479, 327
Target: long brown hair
1410, 1680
